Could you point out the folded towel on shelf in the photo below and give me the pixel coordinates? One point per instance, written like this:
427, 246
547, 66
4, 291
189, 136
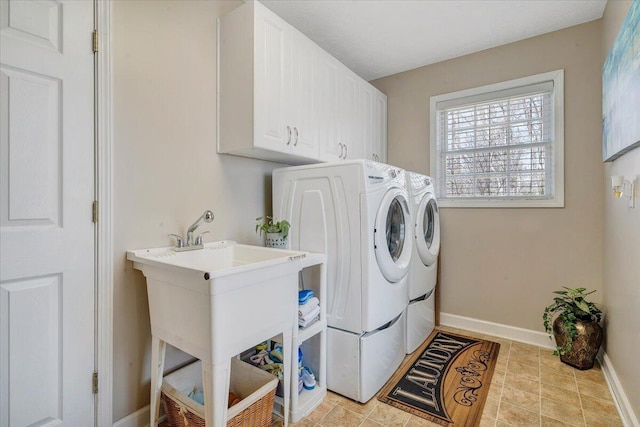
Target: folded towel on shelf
304, 296
306, 308
304, 324
313, 313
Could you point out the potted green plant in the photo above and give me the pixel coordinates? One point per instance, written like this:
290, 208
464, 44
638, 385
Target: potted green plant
575, 323
275, 231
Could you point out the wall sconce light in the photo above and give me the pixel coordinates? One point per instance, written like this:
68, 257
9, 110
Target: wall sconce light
623, 187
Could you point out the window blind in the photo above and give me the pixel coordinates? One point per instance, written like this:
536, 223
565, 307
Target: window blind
497, 145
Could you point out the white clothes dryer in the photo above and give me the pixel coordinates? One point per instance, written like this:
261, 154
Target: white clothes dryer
356, 212
423, 271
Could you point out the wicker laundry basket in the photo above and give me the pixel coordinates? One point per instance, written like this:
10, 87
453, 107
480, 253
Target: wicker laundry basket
254, 386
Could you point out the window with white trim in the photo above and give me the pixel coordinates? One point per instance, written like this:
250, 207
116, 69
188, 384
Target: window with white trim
500, 145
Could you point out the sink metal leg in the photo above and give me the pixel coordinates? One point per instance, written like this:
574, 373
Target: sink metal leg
215, 382
158, 348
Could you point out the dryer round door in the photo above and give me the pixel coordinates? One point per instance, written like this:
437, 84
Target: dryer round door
392, 237
427, 229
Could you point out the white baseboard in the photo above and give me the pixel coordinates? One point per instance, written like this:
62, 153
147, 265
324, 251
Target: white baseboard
140, 418
498, 330
629, 419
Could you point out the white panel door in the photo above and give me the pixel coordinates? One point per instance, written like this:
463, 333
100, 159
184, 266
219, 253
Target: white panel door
46, 229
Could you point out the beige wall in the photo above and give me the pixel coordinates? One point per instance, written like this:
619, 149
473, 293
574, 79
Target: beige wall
622, 250
166, 170
501, 265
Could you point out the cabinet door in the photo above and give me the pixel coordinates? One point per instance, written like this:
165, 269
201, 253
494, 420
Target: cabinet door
302, 102
328, 68
380, 126
348, 134
365, 120
271, 73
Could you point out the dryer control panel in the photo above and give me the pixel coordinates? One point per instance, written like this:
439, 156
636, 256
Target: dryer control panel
378, 173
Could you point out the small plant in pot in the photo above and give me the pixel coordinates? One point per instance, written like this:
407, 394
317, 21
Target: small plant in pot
575, 323
275, 231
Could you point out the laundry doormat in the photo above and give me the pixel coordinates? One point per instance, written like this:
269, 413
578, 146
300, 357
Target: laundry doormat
446, 381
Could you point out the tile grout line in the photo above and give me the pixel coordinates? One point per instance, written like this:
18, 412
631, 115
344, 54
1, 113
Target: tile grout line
540, 382
504, 379
575, 378
408, 420
366, 416
348, 410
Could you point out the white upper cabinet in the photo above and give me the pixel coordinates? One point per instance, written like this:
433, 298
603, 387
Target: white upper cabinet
378, 144
348, 129
271, 76
282, 98
338, 111
328, 69
303, 96
372, 118
267, 88
365, 118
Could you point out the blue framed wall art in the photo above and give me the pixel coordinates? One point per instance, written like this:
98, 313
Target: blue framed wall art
621, 89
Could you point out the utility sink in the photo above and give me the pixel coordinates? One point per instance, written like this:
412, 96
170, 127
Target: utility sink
224, 281
216, 302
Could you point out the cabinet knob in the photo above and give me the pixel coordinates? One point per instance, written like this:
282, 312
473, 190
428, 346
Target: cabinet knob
295, 130
346, 151
341, 150
288, 135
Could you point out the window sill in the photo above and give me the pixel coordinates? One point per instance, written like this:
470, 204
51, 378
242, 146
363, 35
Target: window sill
547, 203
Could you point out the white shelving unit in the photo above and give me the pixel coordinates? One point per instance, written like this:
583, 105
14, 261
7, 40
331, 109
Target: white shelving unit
313, 342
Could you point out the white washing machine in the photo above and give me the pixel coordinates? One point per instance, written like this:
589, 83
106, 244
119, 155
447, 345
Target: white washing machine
356, 212
423, 270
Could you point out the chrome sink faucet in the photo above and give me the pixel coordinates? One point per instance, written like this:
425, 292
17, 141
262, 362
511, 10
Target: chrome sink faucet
190, 243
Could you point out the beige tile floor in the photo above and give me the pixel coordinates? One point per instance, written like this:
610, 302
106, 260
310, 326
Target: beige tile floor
530, 387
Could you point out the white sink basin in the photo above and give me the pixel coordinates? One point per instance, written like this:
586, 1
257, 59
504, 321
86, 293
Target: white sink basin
216, 259
221, 287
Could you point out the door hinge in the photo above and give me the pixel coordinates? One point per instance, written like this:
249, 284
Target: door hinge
94, 382
95, 211
95, 41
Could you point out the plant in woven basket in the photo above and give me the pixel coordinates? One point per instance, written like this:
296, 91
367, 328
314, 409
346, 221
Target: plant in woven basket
574, 322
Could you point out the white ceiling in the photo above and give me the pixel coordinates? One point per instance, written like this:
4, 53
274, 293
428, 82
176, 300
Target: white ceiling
377, 38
